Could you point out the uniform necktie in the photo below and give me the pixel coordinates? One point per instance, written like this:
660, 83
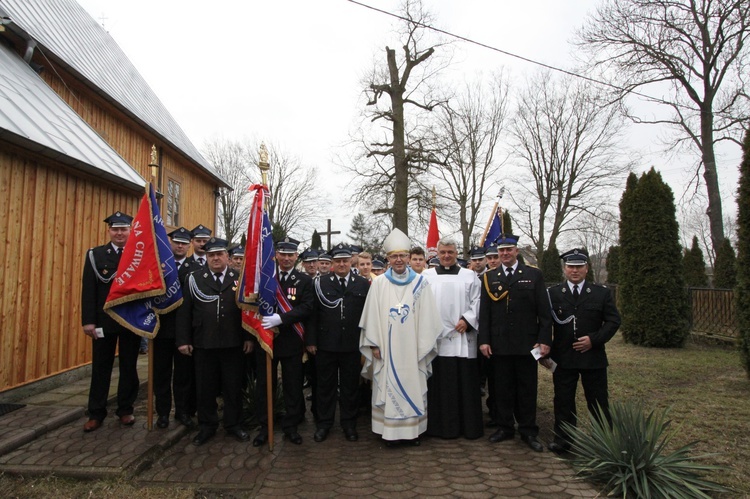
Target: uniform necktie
283, 276
179, 265
342, 282
202, 260
576, 294
217, 275
119, 251
509, 270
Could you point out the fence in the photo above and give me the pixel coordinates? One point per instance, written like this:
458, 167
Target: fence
712, 311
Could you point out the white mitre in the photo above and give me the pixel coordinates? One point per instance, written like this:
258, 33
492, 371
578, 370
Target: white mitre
396, 242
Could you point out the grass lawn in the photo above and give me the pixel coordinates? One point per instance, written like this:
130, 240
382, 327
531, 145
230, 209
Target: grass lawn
705, 387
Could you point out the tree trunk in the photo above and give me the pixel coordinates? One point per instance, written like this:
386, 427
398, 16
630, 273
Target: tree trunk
401, 165
714, 211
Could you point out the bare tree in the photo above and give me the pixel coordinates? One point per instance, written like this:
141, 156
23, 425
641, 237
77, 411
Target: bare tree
292, 208
395, 156
597, 232
699, 48
468, 130
567, 140
230, 159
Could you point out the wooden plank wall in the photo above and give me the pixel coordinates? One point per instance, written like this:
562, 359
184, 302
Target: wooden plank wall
134, 143
51, 219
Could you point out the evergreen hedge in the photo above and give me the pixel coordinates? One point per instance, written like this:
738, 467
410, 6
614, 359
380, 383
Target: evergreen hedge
551, 266
742, 289
653, 299
725, 272
613, 265
694, 266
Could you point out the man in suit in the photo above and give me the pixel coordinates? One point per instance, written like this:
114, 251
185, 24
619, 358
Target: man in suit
201, 235
99, 269
586, 318
209, 327
333, 338
514, 318
174, 372
288, 345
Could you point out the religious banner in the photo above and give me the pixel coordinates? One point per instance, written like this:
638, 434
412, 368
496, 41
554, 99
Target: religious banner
433, 235
257, 290
496, 227
146, 283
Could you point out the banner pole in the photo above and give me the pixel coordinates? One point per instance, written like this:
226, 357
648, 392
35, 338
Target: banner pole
264, 166
150, 404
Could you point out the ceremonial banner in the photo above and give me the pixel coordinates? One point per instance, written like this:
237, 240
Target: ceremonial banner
257, 291
433, 235
496, 228
146, 283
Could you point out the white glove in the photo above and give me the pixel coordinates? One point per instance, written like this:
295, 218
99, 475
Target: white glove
271, 321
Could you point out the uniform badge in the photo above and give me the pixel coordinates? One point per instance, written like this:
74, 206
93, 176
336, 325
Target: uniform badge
588, 290
109, 250
205, 275
294, 277
235, 286
105, 272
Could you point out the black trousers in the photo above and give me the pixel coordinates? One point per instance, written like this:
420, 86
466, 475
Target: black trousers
454, 402
337, 370
515, 393
292, 378
173, 372
219, 371
101, 373
594, 382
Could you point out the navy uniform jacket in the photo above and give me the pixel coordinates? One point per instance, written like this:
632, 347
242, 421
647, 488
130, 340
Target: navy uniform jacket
203, 321
596, 317
337, 329
298, 289
168, 322
193, 259
94, 289
515, 323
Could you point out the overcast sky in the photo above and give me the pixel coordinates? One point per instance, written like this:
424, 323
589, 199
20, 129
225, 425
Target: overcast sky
289, 71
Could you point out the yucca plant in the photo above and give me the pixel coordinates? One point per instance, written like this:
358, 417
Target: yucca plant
631, 458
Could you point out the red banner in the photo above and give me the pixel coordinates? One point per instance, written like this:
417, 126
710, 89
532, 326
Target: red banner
433, 235
139, 273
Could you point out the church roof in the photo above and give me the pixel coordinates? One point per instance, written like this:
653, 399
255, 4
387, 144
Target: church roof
34, 117
66, 32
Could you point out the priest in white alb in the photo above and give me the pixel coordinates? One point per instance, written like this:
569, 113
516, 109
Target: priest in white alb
454, 398
400, 325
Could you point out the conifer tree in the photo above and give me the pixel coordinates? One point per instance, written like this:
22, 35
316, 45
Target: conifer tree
613, 265
507, 223
725, 272
742, 289
550, 266
653, 301
694, 266
315, 242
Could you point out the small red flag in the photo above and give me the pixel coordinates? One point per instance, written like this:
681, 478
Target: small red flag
433, 235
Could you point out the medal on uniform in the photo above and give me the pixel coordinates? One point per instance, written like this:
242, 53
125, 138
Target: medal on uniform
105, 272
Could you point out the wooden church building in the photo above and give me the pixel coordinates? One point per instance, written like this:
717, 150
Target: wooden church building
77, 124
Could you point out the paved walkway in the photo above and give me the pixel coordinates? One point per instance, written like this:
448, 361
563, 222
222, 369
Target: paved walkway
46, 437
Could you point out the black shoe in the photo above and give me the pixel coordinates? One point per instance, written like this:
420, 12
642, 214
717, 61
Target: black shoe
415, 442
240, 434
533, 443
203, 436
559, 448
260, 439
294, 437
320, 435
500, 435
491, 424
351, 434
185, 420
162, 422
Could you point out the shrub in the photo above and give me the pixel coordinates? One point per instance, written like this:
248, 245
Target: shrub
631, 457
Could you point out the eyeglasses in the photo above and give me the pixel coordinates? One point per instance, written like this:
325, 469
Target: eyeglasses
398, 256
